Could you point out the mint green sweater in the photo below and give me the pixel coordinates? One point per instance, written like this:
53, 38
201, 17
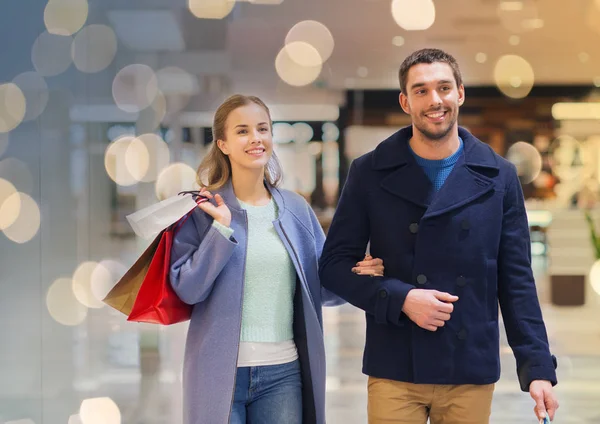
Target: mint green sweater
270, 279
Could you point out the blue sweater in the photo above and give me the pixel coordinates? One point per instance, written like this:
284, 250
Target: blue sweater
438, 170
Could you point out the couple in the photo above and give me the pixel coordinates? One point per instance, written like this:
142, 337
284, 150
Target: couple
443, 212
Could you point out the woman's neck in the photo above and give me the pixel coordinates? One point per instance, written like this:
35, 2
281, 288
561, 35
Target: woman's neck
249, 187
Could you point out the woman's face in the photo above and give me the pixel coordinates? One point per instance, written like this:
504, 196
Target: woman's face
248, 137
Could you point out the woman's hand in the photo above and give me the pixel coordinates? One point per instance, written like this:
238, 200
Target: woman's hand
369, 266
220, 213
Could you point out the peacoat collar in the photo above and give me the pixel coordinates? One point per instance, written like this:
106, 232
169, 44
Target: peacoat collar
472, 177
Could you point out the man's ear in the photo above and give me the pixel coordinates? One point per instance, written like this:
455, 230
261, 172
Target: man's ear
403, 100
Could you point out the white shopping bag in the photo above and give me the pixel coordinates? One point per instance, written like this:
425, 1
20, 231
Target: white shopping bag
150, 221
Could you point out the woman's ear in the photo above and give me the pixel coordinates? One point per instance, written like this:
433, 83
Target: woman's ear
222, 145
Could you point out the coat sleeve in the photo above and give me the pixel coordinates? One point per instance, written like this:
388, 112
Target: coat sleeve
347, 239
517, 293
199, 253
327, 297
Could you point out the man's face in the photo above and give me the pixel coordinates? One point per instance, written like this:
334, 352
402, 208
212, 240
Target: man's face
432, 99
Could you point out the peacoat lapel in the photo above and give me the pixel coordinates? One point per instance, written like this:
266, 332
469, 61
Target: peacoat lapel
472, 176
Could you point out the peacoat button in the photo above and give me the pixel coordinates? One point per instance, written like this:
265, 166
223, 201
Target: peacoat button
461, 281
421, 279
413, 228
464, 224
462, 334
382, 294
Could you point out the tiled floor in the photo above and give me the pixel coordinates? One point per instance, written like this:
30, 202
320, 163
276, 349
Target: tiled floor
102, 358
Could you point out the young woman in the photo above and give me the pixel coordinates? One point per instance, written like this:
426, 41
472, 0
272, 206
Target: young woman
247, 259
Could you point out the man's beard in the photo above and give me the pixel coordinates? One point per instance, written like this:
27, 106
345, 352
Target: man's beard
435, 136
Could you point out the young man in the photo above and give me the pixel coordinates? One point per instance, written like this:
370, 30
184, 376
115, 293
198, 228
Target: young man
447, 216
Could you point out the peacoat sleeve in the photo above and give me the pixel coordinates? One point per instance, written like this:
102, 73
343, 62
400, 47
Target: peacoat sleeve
517, 292
199, 253
346, 242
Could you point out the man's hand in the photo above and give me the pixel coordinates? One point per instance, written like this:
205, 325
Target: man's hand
429, 309
542, 393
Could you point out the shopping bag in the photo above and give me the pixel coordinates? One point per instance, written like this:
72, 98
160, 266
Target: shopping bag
145, 293
150, 221
122, 296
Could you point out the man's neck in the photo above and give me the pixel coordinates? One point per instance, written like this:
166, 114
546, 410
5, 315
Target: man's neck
434, 149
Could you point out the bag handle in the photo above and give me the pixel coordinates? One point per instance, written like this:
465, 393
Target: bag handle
179, 224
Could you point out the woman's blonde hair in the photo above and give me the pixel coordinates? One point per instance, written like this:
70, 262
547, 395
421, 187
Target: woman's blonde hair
215, 169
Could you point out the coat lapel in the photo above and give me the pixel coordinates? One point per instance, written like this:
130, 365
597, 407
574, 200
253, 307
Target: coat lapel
410, 183
462, 186
405, 177
471, 178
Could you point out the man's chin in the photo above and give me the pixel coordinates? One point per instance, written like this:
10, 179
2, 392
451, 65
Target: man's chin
437, 133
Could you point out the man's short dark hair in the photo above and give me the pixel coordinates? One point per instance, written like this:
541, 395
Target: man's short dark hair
428, 56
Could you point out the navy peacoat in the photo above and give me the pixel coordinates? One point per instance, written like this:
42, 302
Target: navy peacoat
470, 239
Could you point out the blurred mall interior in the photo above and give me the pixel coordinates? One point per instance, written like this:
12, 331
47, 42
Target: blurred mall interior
107, 107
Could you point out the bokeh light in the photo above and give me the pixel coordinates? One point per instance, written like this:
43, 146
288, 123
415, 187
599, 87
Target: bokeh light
314, 34
12, 107
134, 88
303, 133
10, 204
481, 57
62, 304
35, 91
157, 151
65, 17
82, 285
595, 276
293, 73
304, 54
105, 275
175, 178
75, 419
211, 9
99, 411
514, 76
514, 40
27, 224
51, 54
527, 160
10, 209
362, 72
282, 133
398, 41
413, 15
94, 48
17, 173
331, 132
126, 168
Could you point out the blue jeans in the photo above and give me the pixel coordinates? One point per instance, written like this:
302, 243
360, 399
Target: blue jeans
270, 394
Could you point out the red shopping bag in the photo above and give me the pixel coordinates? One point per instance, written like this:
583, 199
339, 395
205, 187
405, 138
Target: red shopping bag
156, 302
